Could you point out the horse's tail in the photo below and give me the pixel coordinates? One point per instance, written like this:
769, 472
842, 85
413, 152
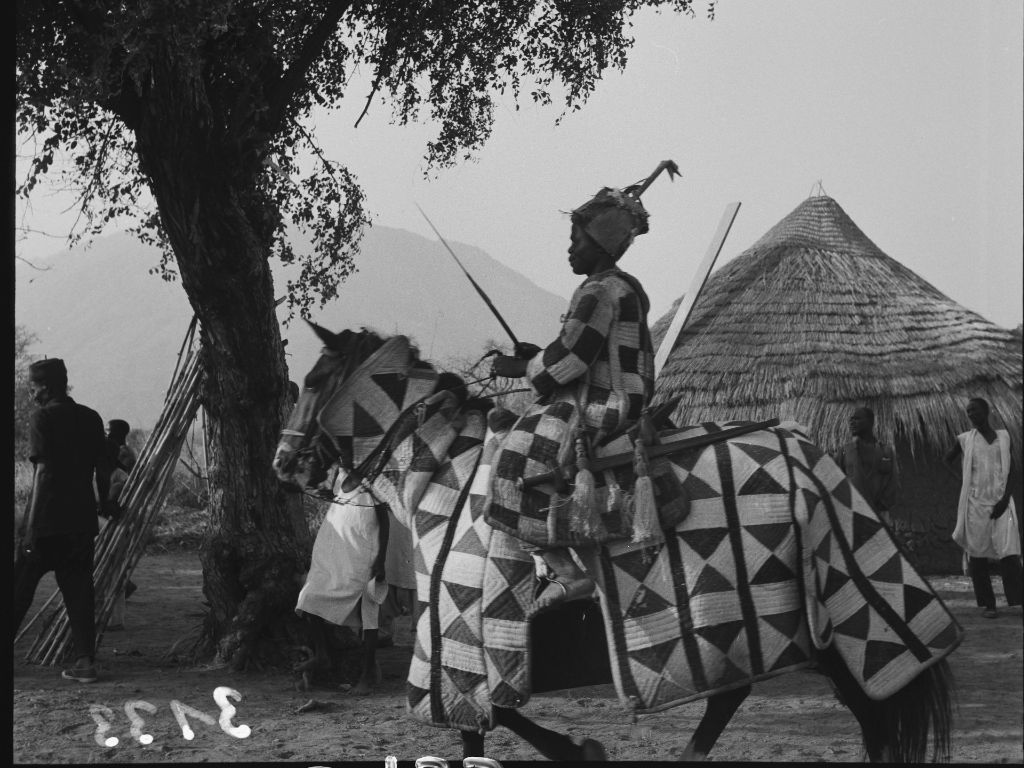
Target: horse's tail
923, 706
897, 729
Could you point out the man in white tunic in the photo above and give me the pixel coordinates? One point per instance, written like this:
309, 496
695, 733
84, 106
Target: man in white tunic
348, 571
986, 521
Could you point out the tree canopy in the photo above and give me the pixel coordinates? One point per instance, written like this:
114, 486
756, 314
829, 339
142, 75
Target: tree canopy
255, 70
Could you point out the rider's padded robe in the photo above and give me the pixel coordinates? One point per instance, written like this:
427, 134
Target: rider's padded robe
600, 369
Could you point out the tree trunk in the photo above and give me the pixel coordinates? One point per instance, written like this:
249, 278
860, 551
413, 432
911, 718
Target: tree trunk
204, 179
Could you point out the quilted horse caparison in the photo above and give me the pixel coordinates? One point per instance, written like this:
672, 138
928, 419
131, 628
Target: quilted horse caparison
777, 556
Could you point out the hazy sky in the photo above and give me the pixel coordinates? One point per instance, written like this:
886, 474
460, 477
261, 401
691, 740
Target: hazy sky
909, 113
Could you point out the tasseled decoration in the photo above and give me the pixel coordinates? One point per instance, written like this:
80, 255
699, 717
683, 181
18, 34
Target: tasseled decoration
584, 495
616, 496
645, 511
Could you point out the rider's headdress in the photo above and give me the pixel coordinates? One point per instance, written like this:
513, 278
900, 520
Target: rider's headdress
614, 217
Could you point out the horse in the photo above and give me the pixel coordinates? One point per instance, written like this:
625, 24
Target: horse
779, 566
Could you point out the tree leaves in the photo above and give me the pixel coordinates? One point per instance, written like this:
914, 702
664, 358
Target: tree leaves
87, 69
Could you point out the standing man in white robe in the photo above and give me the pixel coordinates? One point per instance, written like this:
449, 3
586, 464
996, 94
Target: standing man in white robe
986, 521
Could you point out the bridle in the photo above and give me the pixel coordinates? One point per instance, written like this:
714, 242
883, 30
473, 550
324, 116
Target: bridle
313, 448
322, 450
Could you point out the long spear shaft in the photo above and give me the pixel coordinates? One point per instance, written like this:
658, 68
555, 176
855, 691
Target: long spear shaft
479, 290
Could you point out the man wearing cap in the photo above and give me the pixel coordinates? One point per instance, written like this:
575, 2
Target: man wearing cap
593, 380
66, 447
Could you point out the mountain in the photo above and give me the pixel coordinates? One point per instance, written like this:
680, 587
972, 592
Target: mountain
119, 328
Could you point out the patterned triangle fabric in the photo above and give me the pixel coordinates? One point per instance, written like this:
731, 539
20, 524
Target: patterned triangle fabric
716, 604
475, 583
737, 612
885, 637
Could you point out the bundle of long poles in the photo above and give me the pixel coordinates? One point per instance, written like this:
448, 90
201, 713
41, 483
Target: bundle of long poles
119, 546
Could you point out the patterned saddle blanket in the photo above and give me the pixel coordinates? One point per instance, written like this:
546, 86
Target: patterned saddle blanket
778, 556
546, 514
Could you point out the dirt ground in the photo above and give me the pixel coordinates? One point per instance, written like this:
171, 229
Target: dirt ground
792, 718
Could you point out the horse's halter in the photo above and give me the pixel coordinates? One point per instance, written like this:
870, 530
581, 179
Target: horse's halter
299, 459
348, 418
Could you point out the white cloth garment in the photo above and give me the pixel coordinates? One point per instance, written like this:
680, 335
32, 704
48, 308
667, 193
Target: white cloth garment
985, 470
343, 553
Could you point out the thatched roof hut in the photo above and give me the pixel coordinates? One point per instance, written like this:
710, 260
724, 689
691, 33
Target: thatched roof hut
814, 319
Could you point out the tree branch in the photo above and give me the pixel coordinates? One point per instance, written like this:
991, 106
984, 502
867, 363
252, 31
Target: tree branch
386, 61
125, 103
295, 75
369, 99
23, 260
316, 149
97, 175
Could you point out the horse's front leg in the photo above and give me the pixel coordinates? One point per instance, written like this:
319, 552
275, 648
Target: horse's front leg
551, 744
719, 711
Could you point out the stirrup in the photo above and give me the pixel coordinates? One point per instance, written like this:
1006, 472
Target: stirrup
542, 584
581, 589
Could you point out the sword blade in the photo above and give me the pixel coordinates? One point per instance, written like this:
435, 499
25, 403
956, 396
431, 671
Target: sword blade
479, 290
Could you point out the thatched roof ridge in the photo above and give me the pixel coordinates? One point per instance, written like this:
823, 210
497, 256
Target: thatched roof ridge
814, 319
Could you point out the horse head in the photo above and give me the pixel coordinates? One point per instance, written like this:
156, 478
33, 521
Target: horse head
358, 383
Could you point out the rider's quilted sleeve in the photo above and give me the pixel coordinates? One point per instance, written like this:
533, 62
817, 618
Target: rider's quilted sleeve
582, 339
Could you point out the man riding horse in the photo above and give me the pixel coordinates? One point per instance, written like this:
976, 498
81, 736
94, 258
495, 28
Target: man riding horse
777, 565
593, 381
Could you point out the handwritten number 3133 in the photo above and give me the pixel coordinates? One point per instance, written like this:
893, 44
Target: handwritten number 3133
182, 713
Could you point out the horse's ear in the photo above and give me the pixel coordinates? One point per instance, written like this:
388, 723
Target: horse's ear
329, 339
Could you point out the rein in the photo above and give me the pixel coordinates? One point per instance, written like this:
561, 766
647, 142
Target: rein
316, 446
370, 468
326, 448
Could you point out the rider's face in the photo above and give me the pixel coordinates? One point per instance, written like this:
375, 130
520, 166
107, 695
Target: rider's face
584, 254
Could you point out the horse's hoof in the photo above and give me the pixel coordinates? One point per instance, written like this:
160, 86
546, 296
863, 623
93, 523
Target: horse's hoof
592, 750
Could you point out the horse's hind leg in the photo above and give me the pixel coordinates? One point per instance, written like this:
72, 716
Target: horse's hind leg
551, 744
850, 695
472, 744
719, 711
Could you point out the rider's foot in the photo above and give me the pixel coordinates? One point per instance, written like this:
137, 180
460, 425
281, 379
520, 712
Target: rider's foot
565, 581
562, 590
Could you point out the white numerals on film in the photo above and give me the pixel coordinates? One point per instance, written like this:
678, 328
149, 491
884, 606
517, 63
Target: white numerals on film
103, 716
